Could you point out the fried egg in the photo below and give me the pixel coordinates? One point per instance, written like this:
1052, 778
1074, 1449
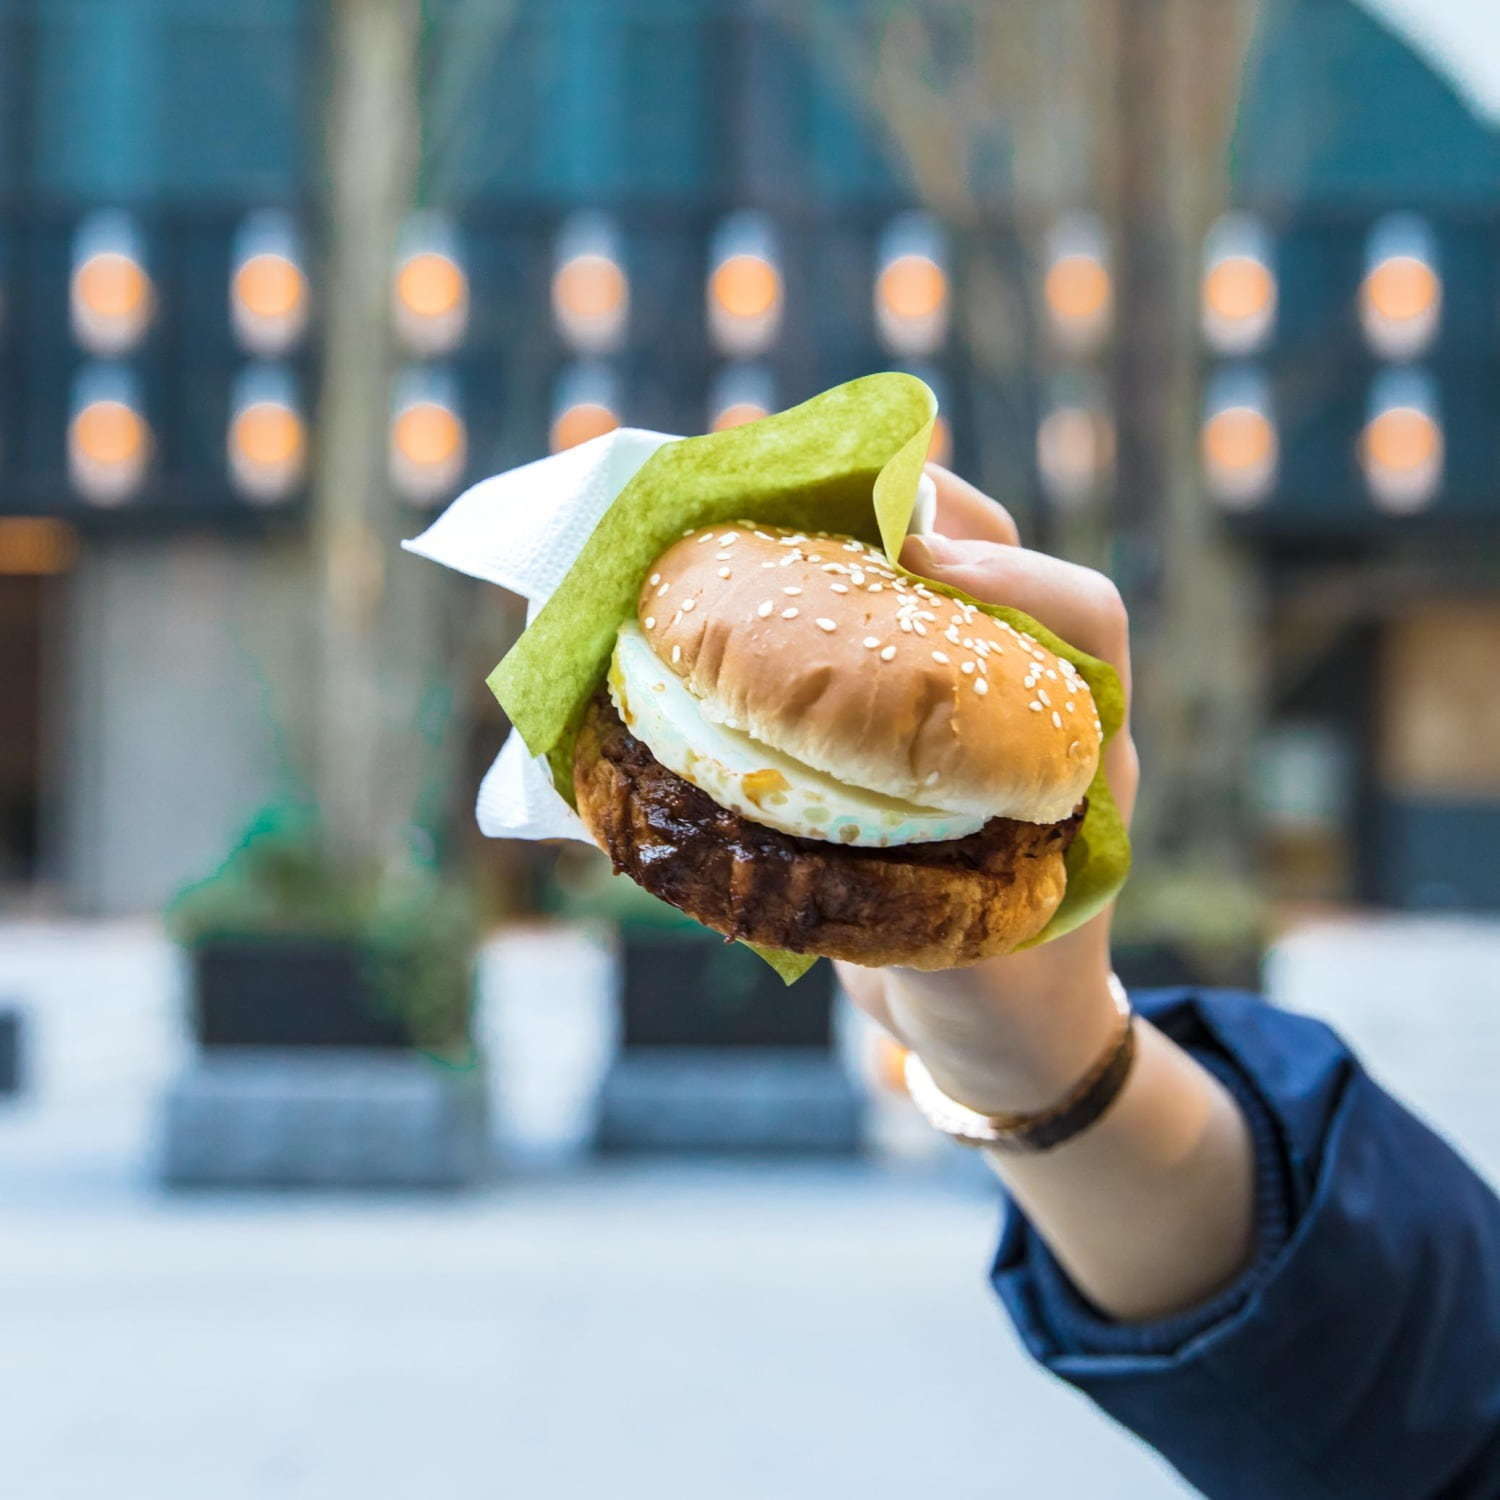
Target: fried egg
753, 779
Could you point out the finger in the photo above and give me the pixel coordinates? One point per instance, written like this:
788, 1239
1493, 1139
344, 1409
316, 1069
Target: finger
1080, 605
966, 512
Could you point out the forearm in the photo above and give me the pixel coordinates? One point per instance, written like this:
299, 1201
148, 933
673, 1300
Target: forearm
1149, 1210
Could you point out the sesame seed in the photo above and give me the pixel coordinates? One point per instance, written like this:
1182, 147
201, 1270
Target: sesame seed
834, 568
765, 536
722, 556
966, 667
825, 624
724, 573
658, 687
981, 686
650, 622
905, 624
1051, 674
1034, 706
888, 653
661, 593
1069, 705
1057, 718
765, 608
791, 589
840, 588
676, 655
919, 627
931, 779
707, 536
688, 604
940, 658
655, 578
1042, 694
727, 537
677, 617
871, 642
789, 614
876, 588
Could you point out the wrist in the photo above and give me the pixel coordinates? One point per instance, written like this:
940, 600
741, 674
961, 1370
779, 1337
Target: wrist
1001, 1047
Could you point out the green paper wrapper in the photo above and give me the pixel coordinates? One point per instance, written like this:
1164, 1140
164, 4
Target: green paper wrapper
848, 462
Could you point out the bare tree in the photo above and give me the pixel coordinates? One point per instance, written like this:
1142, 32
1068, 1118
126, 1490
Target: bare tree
384, 645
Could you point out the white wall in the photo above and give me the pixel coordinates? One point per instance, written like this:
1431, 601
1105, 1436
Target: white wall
174, 691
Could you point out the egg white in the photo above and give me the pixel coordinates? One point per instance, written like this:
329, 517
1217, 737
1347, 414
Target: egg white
752, 779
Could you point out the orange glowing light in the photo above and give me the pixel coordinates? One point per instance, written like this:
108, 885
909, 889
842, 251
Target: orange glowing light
269, 286
912, 286
589, 287
746, 286
1076, 289
1238, 287
112, 287
1402, 440
737, 414
268, 435
580, 422
1402, 288
427, 435
36, 545
430, 285
109, 434
1238, 439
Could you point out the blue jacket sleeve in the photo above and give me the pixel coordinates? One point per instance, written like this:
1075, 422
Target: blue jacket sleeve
1359, 1356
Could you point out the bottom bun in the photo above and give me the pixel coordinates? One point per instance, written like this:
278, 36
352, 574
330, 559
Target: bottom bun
923, 906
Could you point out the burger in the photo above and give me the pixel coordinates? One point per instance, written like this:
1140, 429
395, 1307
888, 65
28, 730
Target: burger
801, 746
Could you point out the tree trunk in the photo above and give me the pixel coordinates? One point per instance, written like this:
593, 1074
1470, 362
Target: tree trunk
1193, 595
372, 146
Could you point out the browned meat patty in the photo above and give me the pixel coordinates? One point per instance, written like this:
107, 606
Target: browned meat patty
926, 906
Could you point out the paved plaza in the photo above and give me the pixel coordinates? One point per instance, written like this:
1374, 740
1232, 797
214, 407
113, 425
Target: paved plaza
672, 1331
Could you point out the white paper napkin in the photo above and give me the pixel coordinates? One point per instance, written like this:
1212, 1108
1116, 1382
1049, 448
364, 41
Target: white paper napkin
522, 530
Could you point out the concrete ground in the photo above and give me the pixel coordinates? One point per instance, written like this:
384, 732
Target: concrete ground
733, 1332
645, 1333
667, 1332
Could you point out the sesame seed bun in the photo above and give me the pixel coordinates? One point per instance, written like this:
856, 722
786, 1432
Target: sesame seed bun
816, 646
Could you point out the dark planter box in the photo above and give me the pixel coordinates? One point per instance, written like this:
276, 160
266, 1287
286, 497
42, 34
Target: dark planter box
10, 1052
288, 992
691, 989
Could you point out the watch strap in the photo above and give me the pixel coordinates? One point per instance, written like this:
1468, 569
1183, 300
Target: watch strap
1041, 1130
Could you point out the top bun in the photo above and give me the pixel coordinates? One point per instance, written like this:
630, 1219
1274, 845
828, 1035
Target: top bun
817, 646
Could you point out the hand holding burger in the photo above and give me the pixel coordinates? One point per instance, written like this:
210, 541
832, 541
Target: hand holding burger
1149, 1210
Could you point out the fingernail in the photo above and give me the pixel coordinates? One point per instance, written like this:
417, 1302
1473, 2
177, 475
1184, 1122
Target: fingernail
922, 553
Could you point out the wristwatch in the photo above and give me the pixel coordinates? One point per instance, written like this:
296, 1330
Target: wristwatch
1079, 1108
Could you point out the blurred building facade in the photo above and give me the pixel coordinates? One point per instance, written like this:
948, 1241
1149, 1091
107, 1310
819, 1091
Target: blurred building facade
677, 214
